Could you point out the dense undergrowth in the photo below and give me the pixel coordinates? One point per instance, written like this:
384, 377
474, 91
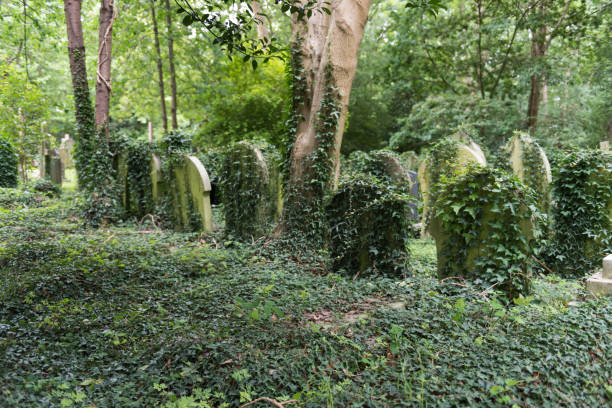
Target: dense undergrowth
135, 316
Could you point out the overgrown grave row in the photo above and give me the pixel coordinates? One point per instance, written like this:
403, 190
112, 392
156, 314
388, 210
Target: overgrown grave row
490, 225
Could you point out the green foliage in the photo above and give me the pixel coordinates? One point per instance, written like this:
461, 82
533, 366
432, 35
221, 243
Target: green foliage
441, 115
23, 115
582, 214
8, 164
484, 222
369, 227
47, 187
112, 318
246, 186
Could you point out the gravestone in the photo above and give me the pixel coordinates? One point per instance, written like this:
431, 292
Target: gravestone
66, 150
605, 146
448, 156
530, 165
250, 195
191, 195
122, 178
158, 185
414, 192
601, 282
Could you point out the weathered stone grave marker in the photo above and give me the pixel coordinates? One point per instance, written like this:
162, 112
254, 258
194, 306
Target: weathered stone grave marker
530, 165
601, 282
448, 156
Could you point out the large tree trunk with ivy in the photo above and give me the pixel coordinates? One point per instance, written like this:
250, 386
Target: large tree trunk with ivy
82, 104
325, 49
171, 64
103, 79
160, 69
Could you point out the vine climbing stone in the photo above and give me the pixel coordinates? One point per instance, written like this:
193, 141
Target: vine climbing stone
250, 194
444, 159
530, 165
483, 227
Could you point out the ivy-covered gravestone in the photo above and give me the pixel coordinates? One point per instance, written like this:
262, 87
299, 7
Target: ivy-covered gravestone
368, 227
247, 191
122, 177
8, 164
444, 159
410, 160
530, 165
582, 215
482, 223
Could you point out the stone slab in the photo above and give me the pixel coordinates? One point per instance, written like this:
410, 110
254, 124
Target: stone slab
598, 285
607, 267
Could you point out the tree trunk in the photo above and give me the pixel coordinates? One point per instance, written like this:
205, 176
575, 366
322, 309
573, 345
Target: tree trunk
538, 51
262, 31
82, 104
324, 59
171, 61
103, 77
160, 69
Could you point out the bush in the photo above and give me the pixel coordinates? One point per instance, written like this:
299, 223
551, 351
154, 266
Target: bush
582, 215
47, 187
369, 228
484, 230
8, 164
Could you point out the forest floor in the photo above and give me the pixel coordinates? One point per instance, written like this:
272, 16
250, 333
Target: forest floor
133, 316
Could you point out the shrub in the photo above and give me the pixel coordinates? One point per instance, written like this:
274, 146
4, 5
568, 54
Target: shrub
8, 164
47, 187
582, 215
484, 230
369, 228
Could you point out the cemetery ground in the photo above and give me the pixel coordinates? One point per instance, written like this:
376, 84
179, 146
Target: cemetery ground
135, 316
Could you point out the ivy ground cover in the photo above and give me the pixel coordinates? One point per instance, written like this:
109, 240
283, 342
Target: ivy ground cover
132, 316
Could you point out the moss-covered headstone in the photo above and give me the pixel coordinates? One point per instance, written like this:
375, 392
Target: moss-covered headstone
250, 192
483, 227
582, 215
445, 158
191, 195
530, 165
368, 227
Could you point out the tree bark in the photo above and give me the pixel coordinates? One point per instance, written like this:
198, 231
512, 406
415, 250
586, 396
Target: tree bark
78, 69
327, 52
538, 51
173, 105
262, 31
160, 69
103, 74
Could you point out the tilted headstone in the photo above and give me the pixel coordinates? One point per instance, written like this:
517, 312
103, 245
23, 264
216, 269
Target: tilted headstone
461, 152
191, 195
530, 165
198, 184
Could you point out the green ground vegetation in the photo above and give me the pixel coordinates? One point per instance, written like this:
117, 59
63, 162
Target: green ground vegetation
134, 316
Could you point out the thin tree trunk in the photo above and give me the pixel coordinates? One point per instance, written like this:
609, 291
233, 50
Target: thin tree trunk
103, 74
262, 31
83, 109
173, 106
160, 69
538, 51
